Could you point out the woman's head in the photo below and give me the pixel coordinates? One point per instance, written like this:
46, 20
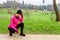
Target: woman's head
19, 12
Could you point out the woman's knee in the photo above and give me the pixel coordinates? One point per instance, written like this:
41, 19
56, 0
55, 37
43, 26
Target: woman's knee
21, 23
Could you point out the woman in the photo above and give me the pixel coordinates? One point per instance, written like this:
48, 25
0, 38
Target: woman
15, 25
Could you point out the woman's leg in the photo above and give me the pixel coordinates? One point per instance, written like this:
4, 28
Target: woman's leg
22, 28
11, 31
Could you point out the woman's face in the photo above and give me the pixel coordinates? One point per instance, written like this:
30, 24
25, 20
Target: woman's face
19, 14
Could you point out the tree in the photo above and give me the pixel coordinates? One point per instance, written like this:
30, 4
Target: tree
56, 10
43, 1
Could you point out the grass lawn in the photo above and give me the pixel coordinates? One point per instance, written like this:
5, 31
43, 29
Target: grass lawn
35, 22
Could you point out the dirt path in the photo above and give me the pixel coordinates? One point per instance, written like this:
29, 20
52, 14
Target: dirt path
29, 37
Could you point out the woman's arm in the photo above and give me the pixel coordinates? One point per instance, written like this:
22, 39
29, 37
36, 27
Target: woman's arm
21, 19
12, 25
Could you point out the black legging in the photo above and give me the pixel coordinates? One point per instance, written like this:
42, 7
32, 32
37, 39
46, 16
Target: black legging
11, 30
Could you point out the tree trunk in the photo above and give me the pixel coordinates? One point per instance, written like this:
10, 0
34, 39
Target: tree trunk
56, 10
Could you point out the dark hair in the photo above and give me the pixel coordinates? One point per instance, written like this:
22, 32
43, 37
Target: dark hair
19, 12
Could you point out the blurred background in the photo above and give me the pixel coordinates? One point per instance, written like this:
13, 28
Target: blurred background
40, 16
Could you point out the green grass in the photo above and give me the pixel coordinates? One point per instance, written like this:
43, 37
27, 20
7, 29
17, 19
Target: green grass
36, 23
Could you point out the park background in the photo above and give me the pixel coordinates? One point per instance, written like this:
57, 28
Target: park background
38, 19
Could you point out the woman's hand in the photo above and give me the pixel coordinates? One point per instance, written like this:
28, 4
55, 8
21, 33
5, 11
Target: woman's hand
21, 15
17, 31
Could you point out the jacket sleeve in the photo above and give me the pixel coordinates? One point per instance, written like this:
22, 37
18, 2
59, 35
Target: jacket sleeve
21, 19
12, 25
